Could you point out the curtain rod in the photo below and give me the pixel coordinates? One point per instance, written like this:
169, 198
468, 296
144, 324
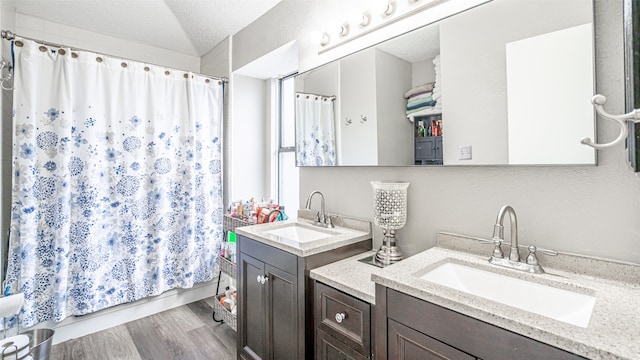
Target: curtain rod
331, 97
8, 35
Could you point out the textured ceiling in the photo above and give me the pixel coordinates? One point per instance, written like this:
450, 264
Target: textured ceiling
190, 27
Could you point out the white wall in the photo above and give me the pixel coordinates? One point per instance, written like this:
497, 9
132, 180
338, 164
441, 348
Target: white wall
42, 29
248, 126
393, 78
423, 72
590, 210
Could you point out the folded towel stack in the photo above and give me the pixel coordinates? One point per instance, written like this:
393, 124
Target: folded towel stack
425, 99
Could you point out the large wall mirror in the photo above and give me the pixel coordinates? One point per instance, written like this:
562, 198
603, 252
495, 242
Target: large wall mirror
505, 83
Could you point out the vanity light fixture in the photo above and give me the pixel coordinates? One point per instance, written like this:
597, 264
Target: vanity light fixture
324, 40
319, 37
342, 30
358, 19
360, 22
385, 7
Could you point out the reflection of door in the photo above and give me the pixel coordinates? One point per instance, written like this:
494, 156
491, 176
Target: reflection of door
357, 100
548, 97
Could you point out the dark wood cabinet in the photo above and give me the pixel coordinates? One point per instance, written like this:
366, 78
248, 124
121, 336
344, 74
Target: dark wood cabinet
330, 348
408, 344
275, 299
343, 319
419, 329
268, 304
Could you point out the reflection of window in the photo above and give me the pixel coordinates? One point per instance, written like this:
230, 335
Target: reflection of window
288, 187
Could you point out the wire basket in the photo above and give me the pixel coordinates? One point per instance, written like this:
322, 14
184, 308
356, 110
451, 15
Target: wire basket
230, 223
227, 267
225, 315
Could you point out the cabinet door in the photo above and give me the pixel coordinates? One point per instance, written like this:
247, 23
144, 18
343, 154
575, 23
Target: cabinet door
438, 148
329, 348
405, 343
425, 148
282, 310
253, 317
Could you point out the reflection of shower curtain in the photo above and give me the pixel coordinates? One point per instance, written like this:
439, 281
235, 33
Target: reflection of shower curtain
315, 131
117, 192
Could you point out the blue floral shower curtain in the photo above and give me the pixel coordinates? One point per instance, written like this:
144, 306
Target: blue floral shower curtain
117, 188
315, 130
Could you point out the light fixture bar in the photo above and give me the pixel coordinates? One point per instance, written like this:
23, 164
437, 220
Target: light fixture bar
382, 24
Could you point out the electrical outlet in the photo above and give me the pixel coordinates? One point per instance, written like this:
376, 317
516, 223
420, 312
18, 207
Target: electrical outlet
465, 152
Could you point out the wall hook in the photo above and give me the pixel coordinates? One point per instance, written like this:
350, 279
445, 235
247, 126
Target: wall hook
347, 121
363, 119
621, 120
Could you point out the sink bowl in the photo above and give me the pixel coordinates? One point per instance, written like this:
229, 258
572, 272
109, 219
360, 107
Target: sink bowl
559, 304
300, 233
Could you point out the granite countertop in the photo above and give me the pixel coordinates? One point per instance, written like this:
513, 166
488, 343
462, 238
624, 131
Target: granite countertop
613, 328
346, 232
350, 276
612, 332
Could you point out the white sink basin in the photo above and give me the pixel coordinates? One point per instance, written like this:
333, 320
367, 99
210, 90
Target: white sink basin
559, 304
300, 233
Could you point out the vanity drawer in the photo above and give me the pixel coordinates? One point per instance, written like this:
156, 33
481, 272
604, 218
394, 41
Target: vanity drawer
344, 317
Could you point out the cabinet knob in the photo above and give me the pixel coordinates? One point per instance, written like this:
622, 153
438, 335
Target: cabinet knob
262, 279
340, 316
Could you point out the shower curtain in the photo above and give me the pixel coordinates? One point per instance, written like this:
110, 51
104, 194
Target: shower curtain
117, 189
315, 130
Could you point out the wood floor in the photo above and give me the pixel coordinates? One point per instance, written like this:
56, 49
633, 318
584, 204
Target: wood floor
186, 332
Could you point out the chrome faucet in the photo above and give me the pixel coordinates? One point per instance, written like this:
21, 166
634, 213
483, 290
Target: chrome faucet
321, 218
498, 230
531, 263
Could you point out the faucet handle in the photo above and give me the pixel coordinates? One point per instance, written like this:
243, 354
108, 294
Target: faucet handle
497, 249
327, 219
532, 259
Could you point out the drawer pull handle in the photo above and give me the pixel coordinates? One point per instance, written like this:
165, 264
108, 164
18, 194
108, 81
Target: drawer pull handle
340, 317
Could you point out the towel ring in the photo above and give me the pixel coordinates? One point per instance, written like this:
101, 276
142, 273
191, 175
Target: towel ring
598, 102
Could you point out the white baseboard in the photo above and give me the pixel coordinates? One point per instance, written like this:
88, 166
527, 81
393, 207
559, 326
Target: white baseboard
74, 327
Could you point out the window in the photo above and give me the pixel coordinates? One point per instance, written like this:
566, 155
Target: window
288, 179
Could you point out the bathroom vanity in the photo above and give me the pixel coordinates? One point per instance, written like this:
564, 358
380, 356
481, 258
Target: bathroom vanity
275, 307
416, 318
417, 329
